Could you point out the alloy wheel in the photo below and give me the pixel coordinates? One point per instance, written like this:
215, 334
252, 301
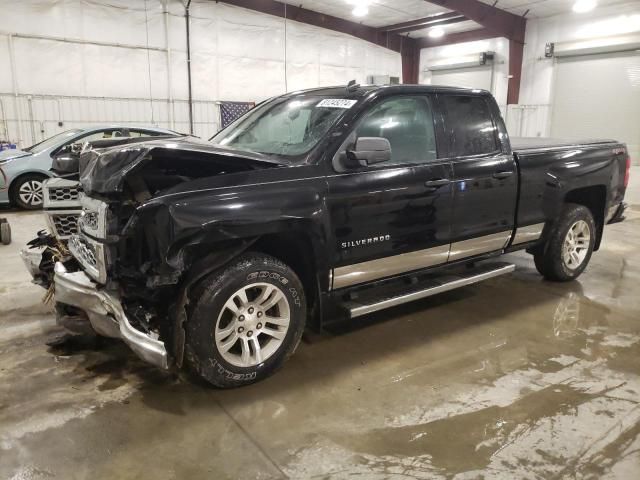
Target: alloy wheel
30, 192
252, 325
576, 244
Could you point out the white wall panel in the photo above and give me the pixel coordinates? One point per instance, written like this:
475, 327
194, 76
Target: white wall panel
44, 66
237, 54
538, 72
6, 78
500, 46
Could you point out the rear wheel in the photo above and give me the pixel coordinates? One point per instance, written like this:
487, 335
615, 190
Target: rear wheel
247, 319
27, 191
569, 245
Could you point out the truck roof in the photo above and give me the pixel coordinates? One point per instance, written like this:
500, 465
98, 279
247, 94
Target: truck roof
362, 90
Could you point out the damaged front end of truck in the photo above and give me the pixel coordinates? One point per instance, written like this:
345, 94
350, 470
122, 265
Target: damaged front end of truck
145, 235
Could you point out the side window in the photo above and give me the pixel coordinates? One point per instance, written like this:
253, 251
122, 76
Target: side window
407, 122
102, 135
470, 120
144, 133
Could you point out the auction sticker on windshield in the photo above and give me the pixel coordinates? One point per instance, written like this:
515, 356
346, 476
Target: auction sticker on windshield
337, 103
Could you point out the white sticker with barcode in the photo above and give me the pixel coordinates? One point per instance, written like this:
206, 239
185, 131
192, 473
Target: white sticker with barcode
337, 103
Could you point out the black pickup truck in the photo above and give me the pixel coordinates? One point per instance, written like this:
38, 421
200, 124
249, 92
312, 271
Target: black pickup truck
317, 206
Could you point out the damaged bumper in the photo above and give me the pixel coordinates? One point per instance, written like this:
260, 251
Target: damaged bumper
106, 314
31, 259
618, 213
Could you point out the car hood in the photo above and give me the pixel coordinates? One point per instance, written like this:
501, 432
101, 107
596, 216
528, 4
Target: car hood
104, 171
13, 153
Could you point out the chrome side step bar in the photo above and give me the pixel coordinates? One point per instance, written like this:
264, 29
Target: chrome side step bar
433, 287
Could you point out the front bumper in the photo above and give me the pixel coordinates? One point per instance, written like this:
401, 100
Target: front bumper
106, 314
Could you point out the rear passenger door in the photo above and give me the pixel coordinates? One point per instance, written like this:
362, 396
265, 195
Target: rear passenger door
485, 182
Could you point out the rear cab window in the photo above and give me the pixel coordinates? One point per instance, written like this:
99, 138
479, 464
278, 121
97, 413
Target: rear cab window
470, 122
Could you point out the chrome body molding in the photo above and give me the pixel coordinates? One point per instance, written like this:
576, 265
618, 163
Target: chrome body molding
106, 314
529, 233
479, 245
501, 269
389, 266
406, 262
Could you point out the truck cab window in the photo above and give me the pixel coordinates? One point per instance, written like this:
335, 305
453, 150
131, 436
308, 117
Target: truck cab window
407, 122
470, 121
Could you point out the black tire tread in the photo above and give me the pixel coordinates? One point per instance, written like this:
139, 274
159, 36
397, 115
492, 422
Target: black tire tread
204, 293
548, 260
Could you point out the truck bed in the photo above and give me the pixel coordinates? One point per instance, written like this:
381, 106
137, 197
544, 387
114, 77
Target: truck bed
527, 144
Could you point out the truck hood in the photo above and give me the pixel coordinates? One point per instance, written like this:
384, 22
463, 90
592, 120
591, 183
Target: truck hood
104, 171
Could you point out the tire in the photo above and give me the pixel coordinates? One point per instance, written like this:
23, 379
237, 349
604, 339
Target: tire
5, 233
27, 192
217, 339
560, 260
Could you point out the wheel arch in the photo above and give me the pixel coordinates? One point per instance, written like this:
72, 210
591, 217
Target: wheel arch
12, 183
291, 247
297, 250
593, 197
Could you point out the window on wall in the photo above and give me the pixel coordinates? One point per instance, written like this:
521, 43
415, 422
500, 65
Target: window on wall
407, 122
471, 122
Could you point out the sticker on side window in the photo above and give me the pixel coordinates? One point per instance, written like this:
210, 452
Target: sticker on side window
337, 103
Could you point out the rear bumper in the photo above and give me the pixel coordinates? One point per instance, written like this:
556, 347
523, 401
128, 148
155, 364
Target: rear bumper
106, 314
618, 214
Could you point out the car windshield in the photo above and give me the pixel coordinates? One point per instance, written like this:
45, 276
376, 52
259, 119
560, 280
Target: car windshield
287, 127
52, 141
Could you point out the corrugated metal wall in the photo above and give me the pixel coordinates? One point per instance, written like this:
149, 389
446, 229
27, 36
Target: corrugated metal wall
99, 61
41, 116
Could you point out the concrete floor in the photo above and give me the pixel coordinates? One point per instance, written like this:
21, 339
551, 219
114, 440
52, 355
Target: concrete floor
512, 378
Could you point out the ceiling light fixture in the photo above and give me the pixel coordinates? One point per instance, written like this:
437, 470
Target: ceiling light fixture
582, 6
360, 11
436, 32
360, 7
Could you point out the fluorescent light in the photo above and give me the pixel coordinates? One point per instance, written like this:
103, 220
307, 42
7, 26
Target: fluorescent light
360, 11
360, 7
436, 32
582, 6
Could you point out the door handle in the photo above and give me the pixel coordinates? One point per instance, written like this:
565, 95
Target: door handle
437, 183
503, 174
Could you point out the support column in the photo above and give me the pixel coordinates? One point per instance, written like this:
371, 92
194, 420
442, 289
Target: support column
515, 71
410, 55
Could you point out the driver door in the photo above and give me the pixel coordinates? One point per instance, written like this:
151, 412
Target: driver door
393, 217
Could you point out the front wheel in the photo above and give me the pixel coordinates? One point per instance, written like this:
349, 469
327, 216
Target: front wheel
247, 319
569, 245
27, 192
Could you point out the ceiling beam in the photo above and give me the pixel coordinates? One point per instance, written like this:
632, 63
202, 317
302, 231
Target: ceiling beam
421, 23
459, 37
407, 47
500, 22
388, 40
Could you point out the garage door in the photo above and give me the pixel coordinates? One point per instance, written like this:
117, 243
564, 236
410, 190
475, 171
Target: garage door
598, 96
470, 77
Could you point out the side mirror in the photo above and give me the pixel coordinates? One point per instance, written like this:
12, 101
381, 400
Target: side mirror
369, 150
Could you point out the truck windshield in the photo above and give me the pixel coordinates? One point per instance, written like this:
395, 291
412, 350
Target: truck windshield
288, 127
